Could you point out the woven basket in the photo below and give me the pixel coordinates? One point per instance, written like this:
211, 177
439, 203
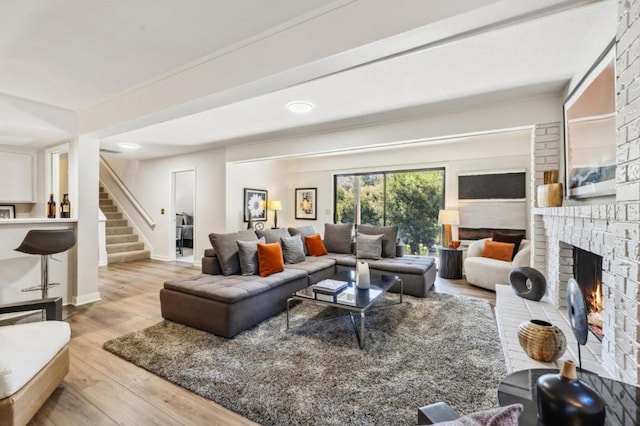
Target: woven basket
541, 340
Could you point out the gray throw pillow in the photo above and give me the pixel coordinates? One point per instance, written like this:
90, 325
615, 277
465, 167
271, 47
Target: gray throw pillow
369, 246
500, 416
388, 241
248, 256
227, 249
337, 237
273, 235
292, 249
303, 231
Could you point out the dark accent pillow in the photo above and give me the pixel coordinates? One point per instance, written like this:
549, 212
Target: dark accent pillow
292, 249
516, 239
273, 235
337, 237
369, 246
388, 241
188, 219
303, 231
270, 259
248, 256
226, 248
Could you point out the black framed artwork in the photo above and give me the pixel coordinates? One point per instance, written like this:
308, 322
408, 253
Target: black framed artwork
306, 204
255, 204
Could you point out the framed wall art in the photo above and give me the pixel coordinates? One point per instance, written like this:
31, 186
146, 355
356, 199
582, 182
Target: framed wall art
7, 211
590, 131
255, 204
306, 205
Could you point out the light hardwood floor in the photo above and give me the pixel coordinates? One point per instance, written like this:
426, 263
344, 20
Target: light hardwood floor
102, 389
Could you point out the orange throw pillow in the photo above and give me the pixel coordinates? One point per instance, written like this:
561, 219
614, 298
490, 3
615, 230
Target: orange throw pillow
270, 259
315, 246
499, 251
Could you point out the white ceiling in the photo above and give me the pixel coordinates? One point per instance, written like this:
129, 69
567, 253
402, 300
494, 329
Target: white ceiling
76, 53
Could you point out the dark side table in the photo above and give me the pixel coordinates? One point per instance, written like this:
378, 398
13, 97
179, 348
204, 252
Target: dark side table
621, 399
450, 263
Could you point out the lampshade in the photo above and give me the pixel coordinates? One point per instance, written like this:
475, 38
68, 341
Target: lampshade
449, 217
275, 205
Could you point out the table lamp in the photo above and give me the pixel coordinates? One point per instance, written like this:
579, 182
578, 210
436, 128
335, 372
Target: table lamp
275, 206
448, 218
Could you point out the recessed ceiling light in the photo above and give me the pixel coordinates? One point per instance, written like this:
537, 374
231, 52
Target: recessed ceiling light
127, 145
300, 107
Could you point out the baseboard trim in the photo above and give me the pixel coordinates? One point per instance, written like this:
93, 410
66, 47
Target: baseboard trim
85, 298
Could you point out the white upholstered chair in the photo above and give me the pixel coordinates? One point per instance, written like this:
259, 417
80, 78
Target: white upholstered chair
34, 358
486, 272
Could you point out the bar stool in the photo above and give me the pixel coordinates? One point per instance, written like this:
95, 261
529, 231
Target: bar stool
46, 242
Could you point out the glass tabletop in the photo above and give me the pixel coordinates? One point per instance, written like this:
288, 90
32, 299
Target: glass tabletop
352, 296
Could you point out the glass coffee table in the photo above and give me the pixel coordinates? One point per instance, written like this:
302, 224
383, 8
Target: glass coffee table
352, 299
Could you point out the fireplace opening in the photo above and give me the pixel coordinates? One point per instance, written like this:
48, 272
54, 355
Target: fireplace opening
587, 271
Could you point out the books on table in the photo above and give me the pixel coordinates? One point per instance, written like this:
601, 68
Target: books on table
329, 286
328, 289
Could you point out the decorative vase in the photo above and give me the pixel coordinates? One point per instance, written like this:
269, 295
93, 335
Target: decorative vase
564, 400
454, 245
541, 340
550, 195
363, 280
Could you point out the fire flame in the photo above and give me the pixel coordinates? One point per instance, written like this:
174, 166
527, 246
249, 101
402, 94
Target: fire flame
595, 299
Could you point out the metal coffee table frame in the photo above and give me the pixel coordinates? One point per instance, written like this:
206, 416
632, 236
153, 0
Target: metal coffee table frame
380, 284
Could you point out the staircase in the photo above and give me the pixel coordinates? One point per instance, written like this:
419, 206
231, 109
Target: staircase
122, 243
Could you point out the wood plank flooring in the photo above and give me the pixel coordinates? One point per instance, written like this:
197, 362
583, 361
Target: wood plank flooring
102, 389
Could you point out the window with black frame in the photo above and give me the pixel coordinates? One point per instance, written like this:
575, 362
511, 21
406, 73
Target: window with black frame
409, 199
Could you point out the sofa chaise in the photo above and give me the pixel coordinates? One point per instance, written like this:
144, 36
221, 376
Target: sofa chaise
225, 302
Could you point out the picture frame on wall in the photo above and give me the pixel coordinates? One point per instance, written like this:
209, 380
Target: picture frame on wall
255, 204
306, 204
7, 211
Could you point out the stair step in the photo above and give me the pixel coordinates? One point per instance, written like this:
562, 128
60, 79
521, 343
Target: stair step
105, 202
118, 230
122, 247
112, 215
110, 209
116, 223
124, 238
101, 189
103, 195
128, 256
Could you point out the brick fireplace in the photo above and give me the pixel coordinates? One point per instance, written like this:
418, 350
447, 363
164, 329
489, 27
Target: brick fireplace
609, 230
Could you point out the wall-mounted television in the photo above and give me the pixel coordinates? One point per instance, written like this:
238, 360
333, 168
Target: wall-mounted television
590, 131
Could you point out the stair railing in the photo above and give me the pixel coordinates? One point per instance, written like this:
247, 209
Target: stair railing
127, 193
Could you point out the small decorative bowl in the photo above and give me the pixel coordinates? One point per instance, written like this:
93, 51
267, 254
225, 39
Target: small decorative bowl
454, 245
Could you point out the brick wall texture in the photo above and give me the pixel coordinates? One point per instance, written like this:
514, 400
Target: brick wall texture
622, 347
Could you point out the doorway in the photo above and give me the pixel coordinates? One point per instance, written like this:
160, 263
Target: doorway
184, 202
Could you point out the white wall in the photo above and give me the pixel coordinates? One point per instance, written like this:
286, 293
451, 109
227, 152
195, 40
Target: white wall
150, 182
503, 151
269, 175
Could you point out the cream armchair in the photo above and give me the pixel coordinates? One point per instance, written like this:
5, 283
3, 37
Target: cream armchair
34, 358
485, 272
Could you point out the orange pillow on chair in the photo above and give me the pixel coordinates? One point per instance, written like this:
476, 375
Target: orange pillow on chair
270, 259
499, 251
315, 246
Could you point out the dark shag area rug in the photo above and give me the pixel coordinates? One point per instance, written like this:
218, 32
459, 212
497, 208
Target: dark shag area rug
441, 348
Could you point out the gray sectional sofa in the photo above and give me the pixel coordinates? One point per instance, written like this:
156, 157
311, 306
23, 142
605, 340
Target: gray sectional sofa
223, 301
